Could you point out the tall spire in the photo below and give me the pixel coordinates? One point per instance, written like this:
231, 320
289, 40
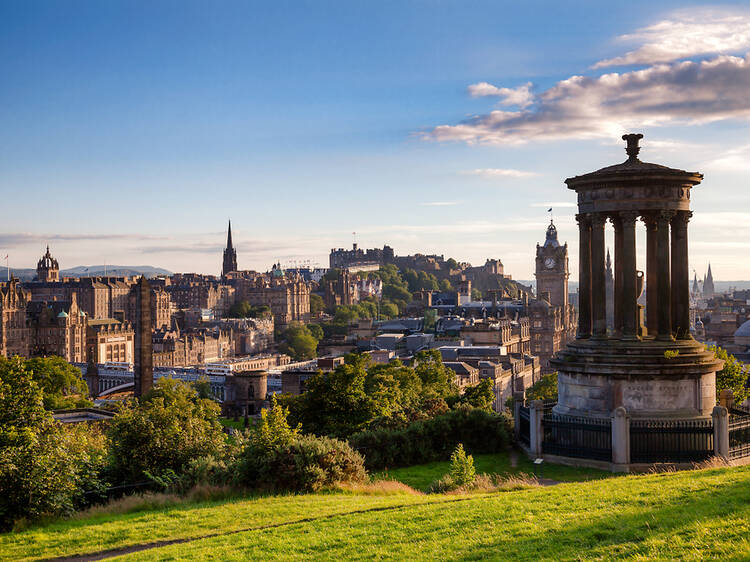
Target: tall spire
230, 254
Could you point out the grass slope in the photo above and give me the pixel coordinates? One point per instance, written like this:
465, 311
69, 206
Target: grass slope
686, 515
419, 477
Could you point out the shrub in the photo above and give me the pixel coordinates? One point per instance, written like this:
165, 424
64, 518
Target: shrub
163, 433
308, 463
462, 467
433, 439
44, 467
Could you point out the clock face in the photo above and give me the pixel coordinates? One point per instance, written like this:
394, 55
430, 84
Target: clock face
549, 263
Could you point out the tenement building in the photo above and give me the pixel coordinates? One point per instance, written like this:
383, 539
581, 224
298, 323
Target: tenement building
58, 328
15, 334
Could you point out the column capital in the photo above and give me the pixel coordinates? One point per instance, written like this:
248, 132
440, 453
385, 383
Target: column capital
583, 219
598, 219
649, 219
664, 217
682, 217
629, 216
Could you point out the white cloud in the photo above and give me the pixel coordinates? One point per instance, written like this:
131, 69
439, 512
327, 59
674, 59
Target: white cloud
439, 204
608, 105
686, 34
520, 96
731, 160
500, 173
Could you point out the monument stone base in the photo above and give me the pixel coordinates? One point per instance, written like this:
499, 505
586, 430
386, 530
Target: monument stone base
650, 379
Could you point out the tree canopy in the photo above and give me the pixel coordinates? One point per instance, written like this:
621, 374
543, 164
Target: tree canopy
300, 342
733, 376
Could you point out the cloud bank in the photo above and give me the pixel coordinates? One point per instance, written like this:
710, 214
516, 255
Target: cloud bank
684, 92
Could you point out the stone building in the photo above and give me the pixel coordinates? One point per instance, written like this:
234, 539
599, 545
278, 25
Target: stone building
47, 269
109, 340
288, 297
58, 328
552, 317
230, 255
15, 333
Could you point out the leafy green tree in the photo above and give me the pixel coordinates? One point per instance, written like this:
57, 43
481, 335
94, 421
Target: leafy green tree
476, 295
44, 467
389, 310
445, 285
480, 395
438, 381
61, 383
299, 342
244, 309
317, 306
163, 432
543, 389
733, 376
273, 431
451, 263
316, 331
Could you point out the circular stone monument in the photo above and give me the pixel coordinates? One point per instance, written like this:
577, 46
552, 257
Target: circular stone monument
653, 367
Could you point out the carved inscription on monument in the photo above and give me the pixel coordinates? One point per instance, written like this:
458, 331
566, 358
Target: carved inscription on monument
658, 395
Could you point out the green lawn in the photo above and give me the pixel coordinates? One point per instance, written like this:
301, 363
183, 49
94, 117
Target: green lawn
677, 516
420, 476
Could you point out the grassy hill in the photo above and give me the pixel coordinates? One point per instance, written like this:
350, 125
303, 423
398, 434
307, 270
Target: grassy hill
685, 515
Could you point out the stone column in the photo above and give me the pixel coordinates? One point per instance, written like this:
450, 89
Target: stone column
664, 299
720, 419
536, 431
143, 364
598, 283
584, 276
617, 223
629, 305
620, 439
652, 276
680, 276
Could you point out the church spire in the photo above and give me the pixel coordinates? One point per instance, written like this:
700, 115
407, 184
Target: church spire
230, 254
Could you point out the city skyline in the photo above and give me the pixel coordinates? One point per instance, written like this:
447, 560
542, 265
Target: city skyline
136, 132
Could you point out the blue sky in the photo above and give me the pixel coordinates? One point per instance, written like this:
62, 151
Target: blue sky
131, 131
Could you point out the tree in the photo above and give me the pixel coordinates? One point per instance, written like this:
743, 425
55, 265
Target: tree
438, 381
163, 432
316, 331
273, 431
462, 470
445, 286
44, 467
451, 263
476, 295
733, 376
299, 342
61, 383
317, 306
480, 395
543, 389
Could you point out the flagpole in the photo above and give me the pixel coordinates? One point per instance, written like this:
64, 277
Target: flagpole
7, 263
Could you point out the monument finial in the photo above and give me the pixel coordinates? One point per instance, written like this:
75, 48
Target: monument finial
632, 149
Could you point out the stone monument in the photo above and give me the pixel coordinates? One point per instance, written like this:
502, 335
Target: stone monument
656, 370
143, 367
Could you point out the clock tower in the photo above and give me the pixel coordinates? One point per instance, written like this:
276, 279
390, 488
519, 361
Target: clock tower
552, 269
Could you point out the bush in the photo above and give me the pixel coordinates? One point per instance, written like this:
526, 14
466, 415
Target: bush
462, 470
44, 467
306, 464
543, 389
433, 439
165, 431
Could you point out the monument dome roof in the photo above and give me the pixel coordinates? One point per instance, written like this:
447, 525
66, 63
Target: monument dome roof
743, 331
632, 167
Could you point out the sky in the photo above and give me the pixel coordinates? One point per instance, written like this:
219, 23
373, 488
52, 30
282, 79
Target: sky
130, 132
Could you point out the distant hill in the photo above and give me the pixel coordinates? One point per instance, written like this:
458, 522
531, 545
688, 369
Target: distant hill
93, 271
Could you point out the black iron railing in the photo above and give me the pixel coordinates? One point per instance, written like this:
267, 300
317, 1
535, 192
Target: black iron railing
524, 426
739, 435
571, 436
671, 441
